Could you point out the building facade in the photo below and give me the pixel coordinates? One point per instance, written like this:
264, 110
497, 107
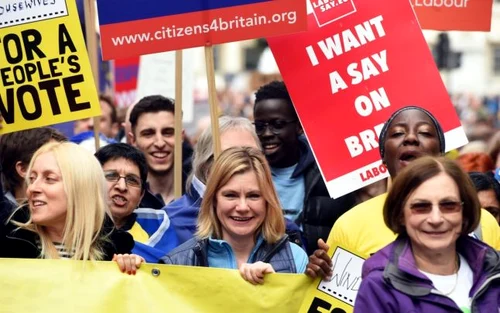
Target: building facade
479, 72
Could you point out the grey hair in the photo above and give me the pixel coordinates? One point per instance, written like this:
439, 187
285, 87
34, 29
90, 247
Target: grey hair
203, 151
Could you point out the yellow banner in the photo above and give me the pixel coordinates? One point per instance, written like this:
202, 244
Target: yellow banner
53, 286
338, 294
45, 74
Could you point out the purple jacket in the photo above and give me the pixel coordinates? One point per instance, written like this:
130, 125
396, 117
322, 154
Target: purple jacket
392, 283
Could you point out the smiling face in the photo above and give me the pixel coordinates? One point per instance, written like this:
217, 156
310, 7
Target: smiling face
124, 198
280, 146
154, 136
46, 194
240, 208
410, 135
434, 229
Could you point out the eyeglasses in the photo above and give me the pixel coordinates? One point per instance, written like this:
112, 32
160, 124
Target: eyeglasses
275, 126
131, 180
445, 206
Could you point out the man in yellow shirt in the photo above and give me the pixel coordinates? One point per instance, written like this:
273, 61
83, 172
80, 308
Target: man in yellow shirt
410, 132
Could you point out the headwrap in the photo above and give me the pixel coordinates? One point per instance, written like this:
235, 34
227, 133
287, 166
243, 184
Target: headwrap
383, 132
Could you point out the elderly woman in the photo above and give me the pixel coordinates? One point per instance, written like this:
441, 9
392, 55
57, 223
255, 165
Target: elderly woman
241, 224
66, 211
410, 133
433, 265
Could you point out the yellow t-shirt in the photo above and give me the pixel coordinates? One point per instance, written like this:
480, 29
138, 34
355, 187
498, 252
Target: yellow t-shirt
362, 228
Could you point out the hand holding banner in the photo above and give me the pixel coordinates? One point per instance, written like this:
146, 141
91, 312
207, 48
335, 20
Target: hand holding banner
53, 286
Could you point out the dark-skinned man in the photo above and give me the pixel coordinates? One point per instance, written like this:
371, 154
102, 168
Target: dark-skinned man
296, 176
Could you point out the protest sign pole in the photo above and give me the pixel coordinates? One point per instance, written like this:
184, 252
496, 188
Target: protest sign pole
178, 126
212, 99
90, 22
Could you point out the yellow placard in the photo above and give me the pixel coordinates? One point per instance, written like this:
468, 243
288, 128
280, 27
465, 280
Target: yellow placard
338, 294
45, 74
53, 286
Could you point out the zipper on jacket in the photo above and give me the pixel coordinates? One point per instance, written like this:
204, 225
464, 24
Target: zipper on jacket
482, 289
275, 249
312, 183
200, 253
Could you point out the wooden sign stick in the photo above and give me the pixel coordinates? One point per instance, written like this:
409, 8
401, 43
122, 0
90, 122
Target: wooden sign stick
91, 41
212, 99
178, 126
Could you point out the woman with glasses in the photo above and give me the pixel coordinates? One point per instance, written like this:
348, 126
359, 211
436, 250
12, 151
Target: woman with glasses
433, 265
126, 171
66, 214
240, 223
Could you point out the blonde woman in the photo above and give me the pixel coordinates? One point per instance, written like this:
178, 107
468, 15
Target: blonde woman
241, 224
66, 214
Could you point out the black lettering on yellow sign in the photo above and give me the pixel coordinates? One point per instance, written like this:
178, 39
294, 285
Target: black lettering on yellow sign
30, 39
65, 40
31, 74
318, 303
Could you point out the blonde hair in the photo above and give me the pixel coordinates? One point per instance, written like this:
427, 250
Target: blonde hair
233, 161
85, 188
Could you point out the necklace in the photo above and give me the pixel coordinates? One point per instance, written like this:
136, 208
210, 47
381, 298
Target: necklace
457, 267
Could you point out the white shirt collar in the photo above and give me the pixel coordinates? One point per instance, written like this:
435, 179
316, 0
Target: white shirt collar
198, 186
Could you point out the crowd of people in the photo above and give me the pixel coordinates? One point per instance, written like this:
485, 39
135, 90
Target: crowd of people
261, 207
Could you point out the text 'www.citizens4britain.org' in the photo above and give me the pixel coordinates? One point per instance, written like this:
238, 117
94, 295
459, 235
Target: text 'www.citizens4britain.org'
216, 25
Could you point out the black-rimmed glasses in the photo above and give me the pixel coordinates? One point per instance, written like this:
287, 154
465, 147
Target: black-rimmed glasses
131, 180
275, 126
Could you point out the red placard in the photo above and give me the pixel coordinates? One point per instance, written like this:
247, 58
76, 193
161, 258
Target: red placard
349, 75
470, 15
145, 33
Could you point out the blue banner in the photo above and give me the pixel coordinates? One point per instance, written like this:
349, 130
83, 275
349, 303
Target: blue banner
117, 11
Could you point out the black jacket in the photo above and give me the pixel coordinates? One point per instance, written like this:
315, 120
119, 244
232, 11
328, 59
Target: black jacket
22, 243
320, 211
